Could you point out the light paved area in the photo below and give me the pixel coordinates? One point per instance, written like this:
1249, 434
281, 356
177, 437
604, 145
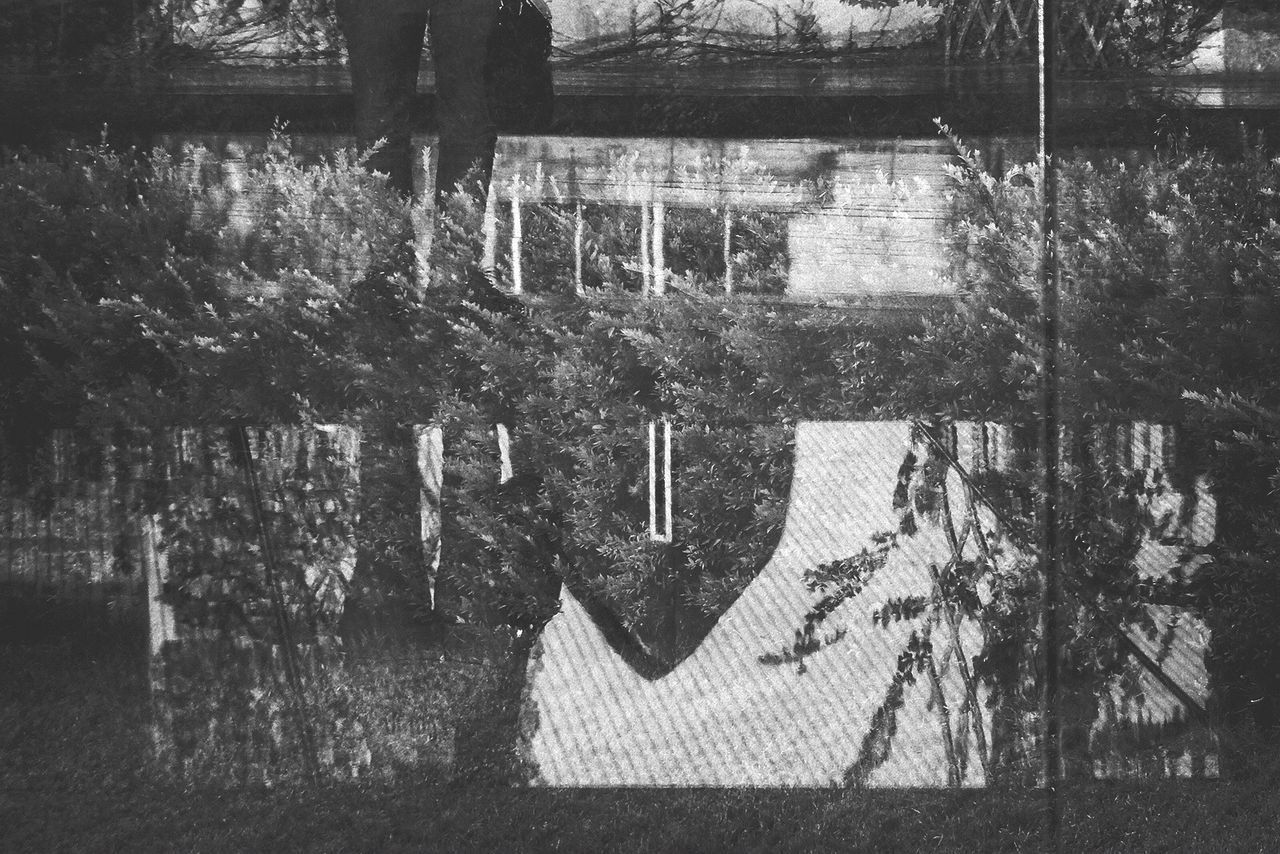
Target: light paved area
722, 718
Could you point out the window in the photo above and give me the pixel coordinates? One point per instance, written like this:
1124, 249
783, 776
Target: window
660, 481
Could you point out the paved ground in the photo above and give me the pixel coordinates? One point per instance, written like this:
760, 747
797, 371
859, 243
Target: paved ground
722, 718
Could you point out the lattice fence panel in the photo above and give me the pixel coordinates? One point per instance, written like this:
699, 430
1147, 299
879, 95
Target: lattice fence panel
1092, 34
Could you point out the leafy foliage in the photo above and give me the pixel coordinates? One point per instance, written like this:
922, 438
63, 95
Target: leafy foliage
1168, 312
1091, 34
113, 35
287, 582
124, 311
578, 383
1153, 262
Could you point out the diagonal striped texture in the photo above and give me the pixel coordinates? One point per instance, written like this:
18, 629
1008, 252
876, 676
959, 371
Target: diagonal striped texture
1143, 729
762, 703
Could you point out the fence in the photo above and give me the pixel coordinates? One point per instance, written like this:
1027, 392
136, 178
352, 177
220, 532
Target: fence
856, 219
800, 220
166, 531
70, 543
1092, 34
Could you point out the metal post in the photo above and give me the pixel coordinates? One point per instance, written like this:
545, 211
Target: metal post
577, 249
1051, 545
659, 262
653, 480
517, 238
155, 569
728, 251
488, 260
645, 267
666, 478
660, 502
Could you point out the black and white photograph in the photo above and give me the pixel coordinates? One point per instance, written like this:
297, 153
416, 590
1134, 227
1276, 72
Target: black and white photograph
639, 426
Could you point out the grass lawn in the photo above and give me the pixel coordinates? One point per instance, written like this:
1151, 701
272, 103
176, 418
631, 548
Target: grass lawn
73, 736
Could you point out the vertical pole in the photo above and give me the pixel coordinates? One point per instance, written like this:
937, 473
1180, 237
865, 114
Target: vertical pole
1051, 546
44, 569
653, 480
517, 238
97, 543
430, 442
660, 499
659, 261
9, 531
284, 629
577, 249
31, 542
728, 251
22, 529
488, 261
155, 569
160, 628
645, 277
423, 221
948, 27
135, 65
666, 478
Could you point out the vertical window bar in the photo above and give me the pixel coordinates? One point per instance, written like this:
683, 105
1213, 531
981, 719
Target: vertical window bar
659, 261
653, 481
645, 267
666, 477
660, 481
517, 238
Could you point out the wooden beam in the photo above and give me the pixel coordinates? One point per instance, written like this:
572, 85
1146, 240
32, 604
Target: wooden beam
517, 238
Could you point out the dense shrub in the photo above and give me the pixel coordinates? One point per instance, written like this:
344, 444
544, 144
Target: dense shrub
1169, 312
88, 241
42, 35
115, 36
578, 383
275, 211
1154, 263
125, 306
227, 715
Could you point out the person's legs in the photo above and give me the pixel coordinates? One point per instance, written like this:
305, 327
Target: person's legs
384, 44
518, 71
459, 41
